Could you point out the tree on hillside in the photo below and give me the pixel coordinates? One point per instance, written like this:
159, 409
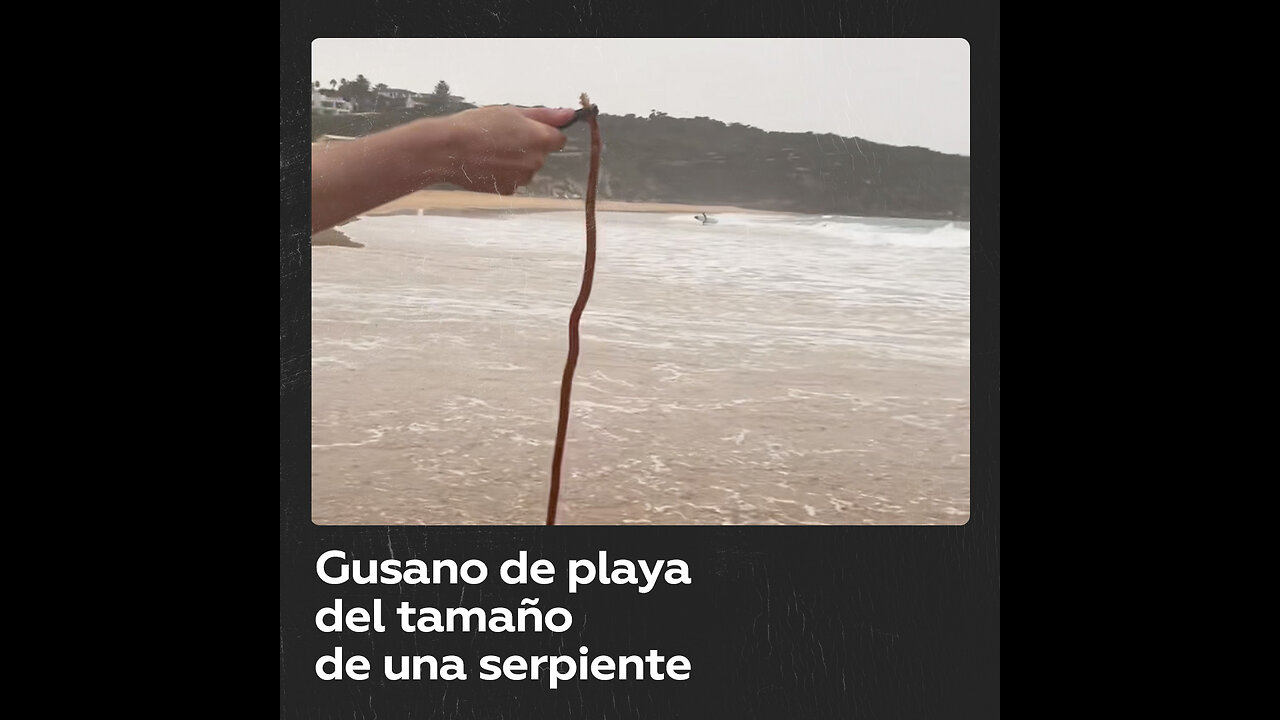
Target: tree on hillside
357, 91
440, 100
333, 84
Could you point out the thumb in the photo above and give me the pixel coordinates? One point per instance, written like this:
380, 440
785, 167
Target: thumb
555, 117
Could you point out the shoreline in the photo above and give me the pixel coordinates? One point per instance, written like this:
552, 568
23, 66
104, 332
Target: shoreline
442, 201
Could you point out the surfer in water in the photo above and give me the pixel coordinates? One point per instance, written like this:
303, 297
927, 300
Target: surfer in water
705, 220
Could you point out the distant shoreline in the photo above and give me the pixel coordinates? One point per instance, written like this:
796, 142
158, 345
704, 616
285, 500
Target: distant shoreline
452, 202
442, 201
463, 203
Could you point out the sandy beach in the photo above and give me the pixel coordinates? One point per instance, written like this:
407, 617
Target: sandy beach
462, 203
457, 200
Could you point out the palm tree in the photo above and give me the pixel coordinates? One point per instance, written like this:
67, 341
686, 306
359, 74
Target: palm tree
333, 84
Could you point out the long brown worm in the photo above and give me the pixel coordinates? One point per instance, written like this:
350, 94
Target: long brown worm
590, 112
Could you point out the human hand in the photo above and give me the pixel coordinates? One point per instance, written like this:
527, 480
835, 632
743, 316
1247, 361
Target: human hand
499, 148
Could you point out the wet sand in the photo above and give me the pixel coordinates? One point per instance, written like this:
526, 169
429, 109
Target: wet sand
720, 382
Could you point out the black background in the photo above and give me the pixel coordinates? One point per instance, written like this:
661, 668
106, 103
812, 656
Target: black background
779, 622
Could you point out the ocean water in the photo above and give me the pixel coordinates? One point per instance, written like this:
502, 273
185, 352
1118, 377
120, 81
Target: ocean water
767, 369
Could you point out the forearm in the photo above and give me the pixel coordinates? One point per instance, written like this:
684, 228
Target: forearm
348, 178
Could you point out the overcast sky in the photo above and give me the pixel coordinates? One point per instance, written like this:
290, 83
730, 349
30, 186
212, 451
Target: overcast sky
892, 91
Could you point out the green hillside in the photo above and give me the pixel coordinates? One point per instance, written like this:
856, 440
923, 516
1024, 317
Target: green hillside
705, 161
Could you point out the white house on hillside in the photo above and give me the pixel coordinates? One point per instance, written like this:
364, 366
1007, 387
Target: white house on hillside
399, 95
326, 105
